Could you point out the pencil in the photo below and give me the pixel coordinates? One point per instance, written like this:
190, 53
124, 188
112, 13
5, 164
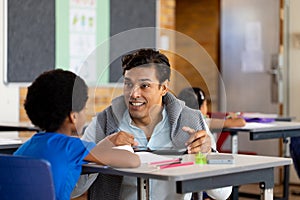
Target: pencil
175, 165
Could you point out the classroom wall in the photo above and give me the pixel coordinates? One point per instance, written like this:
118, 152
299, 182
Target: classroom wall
199, 20
294, 59
9, 101
9, 95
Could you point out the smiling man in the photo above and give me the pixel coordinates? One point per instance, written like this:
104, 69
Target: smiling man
148, 115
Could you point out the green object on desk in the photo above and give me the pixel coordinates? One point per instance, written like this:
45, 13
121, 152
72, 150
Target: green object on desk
200, 159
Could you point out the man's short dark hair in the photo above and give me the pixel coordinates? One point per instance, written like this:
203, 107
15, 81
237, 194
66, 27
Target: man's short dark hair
53, 96
148, 58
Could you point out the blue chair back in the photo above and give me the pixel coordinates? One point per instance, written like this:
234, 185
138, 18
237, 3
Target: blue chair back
25, 178
295, 153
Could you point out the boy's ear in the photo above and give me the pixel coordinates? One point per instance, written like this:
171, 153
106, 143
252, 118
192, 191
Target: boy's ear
72, 117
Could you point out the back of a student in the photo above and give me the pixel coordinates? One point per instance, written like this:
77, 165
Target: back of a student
55, 102
65, 155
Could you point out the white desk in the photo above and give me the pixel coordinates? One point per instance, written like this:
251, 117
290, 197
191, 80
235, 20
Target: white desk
263, 131
9, 145
246, 169
17, 126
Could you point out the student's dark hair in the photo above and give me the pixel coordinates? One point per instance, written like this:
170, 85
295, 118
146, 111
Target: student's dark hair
53, 96
192, 96
148, 58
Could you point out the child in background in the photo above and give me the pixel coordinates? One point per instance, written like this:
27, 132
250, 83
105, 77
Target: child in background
56, 102
195, 98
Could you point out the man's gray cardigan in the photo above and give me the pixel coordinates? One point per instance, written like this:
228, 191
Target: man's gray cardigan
179, 115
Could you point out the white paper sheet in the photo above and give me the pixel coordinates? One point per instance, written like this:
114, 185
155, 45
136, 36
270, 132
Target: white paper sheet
251, 125
147, 157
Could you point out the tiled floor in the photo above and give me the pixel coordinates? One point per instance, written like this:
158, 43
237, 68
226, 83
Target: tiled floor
252, 188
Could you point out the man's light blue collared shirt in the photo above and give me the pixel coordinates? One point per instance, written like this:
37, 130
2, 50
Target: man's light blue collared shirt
159, 138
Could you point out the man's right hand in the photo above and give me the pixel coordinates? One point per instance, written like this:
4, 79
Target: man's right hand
199, 141
122, 138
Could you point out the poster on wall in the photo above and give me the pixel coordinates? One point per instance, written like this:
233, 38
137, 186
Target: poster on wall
82, 38
253, 54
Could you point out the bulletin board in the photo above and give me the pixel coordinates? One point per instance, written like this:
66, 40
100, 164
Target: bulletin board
29, 39
127, 15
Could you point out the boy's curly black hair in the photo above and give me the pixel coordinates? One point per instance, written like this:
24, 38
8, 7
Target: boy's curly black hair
53, 96
148, 58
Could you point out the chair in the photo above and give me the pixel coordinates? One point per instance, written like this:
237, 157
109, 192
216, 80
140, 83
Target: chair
222, 139
25, 178
295, 155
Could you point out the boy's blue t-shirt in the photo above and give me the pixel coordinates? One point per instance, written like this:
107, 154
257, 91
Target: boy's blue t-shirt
65, 154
